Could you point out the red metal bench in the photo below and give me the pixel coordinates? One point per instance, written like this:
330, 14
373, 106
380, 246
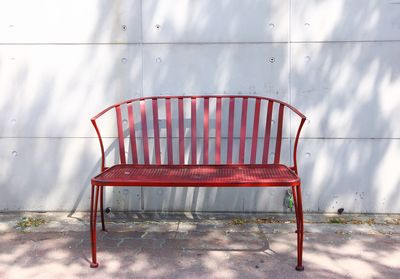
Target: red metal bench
238, 166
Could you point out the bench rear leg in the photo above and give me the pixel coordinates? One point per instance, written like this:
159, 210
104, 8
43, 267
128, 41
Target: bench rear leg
103, 226
300, 225
295, 208
93, 217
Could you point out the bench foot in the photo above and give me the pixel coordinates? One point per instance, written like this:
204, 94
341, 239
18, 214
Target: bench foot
94, 265
299, 268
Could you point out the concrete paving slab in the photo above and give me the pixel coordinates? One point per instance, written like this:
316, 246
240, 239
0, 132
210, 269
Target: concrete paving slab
208, 246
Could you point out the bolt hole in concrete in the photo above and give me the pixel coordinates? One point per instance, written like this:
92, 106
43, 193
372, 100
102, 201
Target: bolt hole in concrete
124, 27
272, 59
124, 60
271, 25
158, 60
14, 153
158, 26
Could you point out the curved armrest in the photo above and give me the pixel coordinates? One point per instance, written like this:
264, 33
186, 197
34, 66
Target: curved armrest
303, 119
93, 120
103, 159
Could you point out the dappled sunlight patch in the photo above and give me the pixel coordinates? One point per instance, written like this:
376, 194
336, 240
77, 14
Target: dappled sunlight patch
283, 245
58, 255
217, 262
112, 266
390, 259
142, 263
16, 253
187, 227
356, 268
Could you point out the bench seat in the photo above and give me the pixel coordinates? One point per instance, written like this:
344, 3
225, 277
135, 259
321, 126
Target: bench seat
198, 175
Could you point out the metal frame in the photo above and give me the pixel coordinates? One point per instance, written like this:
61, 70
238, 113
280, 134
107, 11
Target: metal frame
97, 188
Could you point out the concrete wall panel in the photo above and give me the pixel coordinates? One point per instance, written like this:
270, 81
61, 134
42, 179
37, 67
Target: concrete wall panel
54, 174
208, 69
359, 175
341, 20
54, 90
70, 21
215, 21
347, 90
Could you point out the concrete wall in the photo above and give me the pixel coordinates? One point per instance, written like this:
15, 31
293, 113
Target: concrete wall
336, 60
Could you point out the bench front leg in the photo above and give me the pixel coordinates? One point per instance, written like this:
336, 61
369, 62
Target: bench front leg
93, 217
300, 226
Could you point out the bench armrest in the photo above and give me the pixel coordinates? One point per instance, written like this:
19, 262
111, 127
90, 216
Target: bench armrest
103, 159
93, 120
296, 142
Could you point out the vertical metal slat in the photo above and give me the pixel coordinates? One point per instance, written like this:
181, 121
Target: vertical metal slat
169, 131
267, 136
144, 132
132, 133
230, 129
242, 144
156, 132
254, 139
120, 135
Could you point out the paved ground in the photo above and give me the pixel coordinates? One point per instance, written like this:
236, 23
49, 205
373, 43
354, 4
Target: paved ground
200, 246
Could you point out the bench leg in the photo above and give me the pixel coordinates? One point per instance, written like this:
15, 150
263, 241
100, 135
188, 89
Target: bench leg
93, 217
295, 208
300, 226
103, 226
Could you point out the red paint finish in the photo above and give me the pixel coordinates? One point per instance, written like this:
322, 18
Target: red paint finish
267, 137
278, 143
132, 134
169, 131
218, 132
120, 135
193, 129
156, 132
205, 133
93, 216
254, 139
231, 174
242, 144
181, 132
230, 129
144, 132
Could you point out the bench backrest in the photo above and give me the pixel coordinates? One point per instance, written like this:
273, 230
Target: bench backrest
202, 130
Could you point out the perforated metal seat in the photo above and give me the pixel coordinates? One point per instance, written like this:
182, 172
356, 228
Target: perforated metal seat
198, 175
